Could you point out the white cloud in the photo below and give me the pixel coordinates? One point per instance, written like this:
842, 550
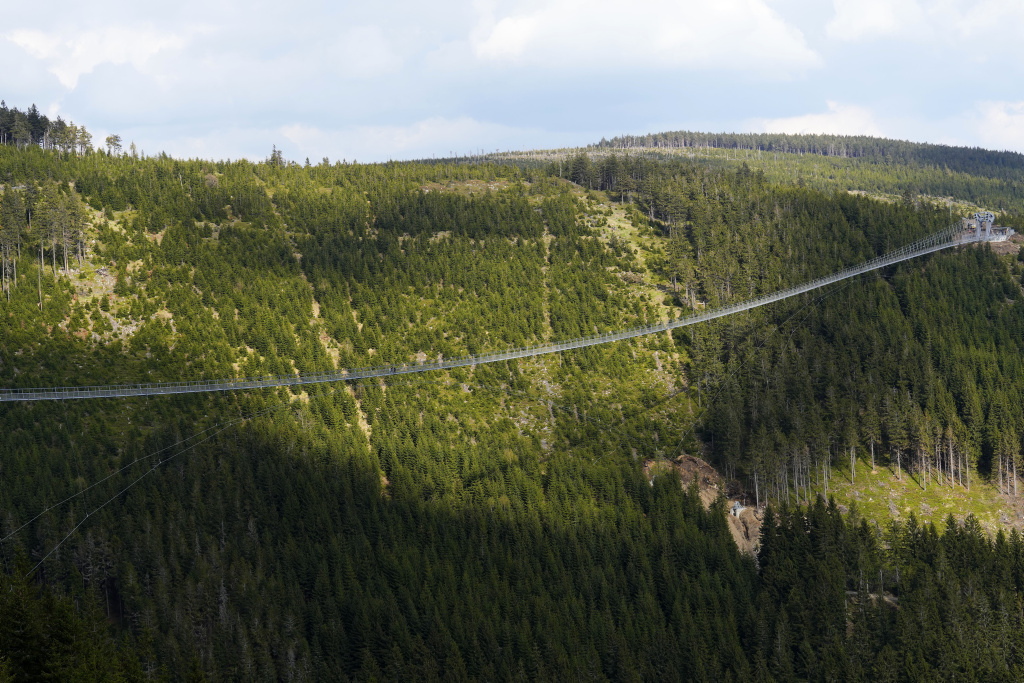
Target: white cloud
364, 52
399, 79
604, 34
430, 137
1000, 125
840, 119
436, 136
860, 19
71, 54
928, 20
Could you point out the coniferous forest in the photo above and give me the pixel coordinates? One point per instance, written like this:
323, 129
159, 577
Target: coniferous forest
512, 521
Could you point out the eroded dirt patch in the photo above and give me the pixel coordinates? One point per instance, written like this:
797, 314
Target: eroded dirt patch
1010, 246
744, 522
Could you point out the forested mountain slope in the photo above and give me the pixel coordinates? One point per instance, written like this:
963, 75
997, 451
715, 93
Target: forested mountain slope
986, 177
971, 160
965, 178
489, 522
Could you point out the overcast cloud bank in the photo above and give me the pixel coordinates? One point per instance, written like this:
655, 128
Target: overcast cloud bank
409, 80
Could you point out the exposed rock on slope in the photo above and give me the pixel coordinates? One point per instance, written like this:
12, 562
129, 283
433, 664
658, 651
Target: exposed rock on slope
744, 522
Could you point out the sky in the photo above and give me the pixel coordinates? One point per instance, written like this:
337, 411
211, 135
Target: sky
398, 79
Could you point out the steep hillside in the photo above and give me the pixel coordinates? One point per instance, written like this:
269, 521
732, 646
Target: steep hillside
492, 521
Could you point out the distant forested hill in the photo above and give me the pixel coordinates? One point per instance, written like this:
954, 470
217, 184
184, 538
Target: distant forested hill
990, 179
972, 160
508, 521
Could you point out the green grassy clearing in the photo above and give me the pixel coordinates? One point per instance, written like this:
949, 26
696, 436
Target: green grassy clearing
880, 496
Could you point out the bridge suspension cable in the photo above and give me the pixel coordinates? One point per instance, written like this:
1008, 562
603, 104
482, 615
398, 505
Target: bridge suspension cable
953, 236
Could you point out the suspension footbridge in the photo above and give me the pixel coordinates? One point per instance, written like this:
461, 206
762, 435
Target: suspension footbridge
953, 236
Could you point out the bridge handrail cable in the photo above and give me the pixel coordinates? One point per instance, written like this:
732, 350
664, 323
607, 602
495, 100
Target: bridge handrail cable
950, 237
